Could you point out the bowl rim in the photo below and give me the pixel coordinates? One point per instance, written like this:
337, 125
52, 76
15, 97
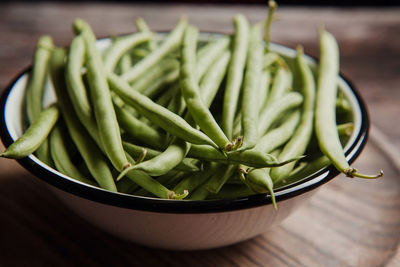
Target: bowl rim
149, 204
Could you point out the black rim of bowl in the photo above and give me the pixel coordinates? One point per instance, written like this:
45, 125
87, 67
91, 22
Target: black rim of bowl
180, 206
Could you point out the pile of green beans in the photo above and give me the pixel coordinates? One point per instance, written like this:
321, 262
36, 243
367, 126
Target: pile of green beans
177, 117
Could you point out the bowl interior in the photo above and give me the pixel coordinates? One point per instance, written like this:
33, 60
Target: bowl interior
13, 126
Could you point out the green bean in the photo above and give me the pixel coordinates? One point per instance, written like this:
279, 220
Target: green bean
121, 46
76, 88
34, 135
166, 180
271, 58
102, 105
212, 79
136, 128
208, 89
166, 97
252, 158
127, 186
171, 42
272, 7
159, 115
35, 87
91, 154
200, 193
345, 129
282, 81
143, 27
169, 78
259, 180
303, 171
219, 178
325, 119
61, 157
37, 78
343, 105
190, 92
271, 113
138, 54
191, 182
178, 149
251, 89
280, 135
151, 185
207, 55
167, 67
177, 104
264, 88
173, 181
157, 163
125, 63
163, 180
232, 192
235, 74
301, 137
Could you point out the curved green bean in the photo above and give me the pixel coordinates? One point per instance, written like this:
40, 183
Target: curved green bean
157, 164
260, 181
125, 63
178, 149
61, 157
212, 79
219, 178
164, 68
301, 137
251, 89
235, 74
325, 118
282, 82
121, 46
37, 78
272, 7
271, 113
187, 164
191, 182
264, 88
303, 171
34, 135
136, 128
280, 135
35, 88
171, 42
91, 154
232, 192
143, 27
76, 88
152, 185
102, 104
207, 55
157, 114
252, 158
190, 92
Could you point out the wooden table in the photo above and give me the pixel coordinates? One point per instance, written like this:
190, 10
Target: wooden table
349, 222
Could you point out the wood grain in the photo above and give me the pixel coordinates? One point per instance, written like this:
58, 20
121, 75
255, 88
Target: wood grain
349, 222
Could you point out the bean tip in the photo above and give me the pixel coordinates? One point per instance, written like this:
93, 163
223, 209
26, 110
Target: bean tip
353, 172
174, 195
272, 4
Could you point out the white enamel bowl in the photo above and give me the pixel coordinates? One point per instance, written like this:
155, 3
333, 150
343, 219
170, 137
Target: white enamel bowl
171, 224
